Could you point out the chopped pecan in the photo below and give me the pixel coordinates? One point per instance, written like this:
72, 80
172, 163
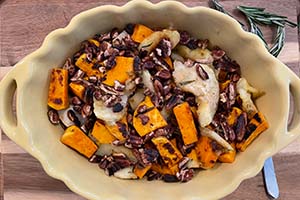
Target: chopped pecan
148, 156
185, 175
137, 64
192, 44
158, 87
170, 178
53, 116
232, 93
184, 37
163, 48
144, 118
217, 53
152, 175
135, 141
240, 127
95, 159
122, 128
183, 162
76, 101
119, 86
200, 71
78, 75
173, 101
163, 74
228, 131
203, 44
72, 116
86, 110
148, 64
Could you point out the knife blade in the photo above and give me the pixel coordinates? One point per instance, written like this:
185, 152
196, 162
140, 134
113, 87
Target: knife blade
270, 179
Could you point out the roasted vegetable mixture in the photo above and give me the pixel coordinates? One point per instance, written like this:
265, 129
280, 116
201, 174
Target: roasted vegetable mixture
154, 103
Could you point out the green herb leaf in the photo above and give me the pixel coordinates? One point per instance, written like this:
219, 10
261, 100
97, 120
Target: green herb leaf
217, 6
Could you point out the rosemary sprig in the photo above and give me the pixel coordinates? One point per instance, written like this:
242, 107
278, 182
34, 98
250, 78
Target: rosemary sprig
256, 30
217, 6
278, 42
258, 16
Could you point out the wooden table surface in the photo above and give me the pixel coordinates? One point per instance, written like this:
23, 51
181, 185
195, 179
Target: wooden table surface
24, 25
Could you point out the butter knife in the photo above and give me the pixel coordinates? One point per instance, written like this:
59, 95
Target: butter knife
270, 179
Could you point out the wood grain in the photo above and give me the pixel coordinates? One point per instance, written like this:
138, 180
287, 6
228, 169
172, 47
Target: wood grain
24, 25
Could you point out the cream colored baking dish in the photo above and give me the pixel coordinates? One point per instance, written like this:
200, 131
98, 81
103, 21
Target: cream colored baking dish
33, 132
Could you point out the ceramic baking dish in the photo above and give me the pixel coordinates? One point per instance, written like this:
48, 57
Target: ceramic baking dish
32, 131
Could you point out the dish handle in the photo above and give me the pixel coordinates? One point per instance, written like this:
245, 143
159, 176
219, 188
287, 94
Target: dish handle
292, 129
9, 85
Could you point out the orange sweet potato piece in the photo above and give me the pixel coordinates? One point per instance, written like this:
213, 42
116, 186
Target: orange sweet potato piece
95, 42
76, 139
102, 134
164, 169
233, 115
122, 71
78, 89
206, 155
185, 120
140, 172
140, 32
254, 128
169, 153
87, 67
224, 85
169, 61
228, 157
194, 161
156, 120
115, 129
58, 98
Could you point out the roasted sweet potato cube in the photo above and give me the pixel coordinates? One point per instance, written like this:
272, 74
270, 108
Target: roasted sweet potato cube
78, 89
233, 115
102, 134
255, 127
169, 62
122, 71
169, 153
164, 169
77, 140
58, 98
206, 154
174, 142
140, 32
185, 120
155, 119
228, 157
194, 161
87, 67
224, 85
141, 171
95, 42
118, 129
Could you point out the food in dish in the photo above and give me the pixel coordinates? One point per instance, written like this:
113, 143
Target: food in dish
155, 103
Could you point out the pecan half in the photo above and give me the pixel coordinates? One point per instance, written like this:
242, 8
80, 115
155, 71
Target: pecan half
240, 127
53, 116
163, 74
200, 71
